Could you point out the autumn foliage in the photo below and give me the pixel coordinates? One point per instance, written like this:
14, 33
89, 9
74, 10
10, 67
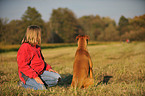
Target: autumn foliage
63, 26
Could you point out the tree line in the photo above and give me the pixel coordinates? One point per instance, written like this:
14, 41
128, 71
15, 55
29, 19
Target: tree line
63, 27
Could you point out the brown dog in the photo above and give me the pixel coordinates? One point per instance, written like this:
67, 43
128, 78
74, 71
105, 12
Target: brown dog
82, 68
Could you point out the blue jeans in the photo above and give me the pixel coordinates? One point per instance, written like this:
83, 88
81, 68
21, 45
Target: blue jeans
49, 79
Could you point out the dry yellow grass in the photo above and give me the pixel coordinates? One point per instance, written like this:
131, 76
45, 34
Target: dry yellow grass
119, 69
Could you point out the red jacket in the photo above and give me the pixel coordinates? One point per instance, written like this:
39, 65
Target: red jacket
30, 62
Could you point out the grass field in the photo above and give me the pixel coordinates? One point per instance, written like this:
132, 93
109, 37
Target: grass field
119, 70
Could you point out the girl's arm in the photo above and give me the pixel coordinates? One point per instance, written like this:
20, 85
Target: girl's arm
38, 80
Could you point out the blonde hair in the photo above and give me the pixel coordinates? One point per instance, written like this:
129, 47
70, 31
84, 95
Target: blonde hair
33, 35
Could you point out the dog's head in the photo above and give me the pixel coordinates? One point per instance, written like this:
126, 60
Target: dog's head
82, 40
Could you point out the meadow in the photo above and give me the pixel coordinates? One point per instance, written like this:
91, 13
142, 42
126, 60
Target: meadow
118, 68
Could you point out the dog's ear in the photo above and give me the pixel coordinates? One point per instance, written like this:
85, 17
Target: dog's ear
87, 37
77, 38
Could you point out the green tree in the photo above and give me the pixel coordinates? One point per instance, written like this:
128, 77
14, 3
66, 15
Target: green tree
92, 25
3, 23
33, 17
123, 21
95, 25
110, 34
108, 21
14, 32
64, 25
123, 25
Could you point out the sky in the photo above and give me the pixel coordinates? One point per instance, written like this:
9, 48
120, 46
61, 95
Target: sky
14, 9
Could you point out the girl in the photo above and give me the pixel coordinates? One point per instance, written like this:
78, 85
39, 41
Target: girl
33, 71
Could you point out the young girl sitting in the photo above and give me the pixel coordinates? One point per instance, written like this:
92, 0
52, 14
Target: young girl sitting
33, 71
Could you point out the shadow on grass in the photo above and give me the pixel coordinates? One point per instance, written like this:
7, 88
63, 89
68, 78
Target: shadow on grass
105, 80
66, 80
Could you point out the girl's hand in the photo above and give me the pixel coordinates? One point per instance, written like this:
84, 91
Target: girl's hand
38, 80
50, 70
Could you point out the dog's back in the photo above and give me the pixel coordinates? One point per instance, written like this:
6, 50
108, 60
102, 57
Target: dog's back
82, 66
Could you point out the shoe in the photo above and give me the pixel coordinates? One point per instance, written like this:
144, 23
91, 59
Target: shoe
59, 80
